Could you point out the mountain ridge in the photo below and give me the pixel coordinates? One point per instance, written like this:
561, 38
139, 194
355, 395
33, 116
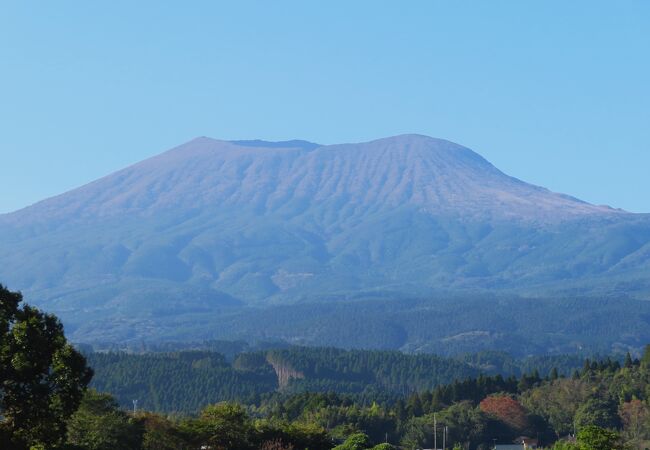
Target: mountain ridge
416, 155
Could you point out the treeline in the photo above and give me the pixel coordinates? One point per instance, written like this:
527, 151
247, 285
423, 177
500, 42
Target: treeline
359, 371
99, 424
184, 382
606, 405
178, 382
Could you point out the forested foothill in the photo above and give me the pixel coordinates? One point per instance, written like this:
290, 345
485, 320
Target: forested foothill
603, 405
201, 377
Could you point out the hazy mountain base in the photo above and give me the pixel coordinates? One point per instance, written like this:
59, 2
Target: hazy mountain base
446, 325
154, 279
291, 255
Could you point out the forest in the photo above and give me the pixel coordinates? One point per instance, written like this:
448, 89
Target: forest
604, 405
55, 397
183, 382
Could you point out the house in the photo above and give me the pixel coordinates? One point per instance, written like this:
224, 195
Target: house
527, 442
521, 443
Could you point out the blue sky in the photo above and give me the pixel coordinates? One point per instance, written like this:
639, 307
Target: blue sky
553, 92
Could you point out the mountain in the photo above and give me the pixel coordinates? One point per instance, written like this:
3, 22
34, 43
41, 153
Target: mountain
213, 232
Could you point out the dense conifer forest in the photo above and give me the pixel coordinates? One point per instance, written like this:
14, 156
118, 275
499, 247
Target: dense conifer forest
185, 381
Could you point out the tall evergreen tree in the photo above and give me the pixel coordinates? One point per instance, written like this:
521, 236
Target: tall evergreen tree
42, 377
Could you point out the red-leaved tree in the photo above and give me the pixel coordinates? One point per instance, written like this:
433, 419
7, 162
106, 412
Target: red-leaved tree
507, 410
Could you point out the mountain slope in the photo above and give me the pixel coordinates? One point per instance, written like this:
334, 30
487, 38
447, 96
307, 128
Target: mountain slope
433, 174
210, 226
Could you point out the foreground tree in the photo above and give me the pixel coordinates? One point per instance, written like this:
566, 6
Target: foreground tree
42, 377
99, 424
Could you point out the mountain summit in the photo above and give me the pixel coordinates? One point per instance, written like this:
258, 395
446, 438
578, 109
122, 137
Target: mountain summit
216, 224
438, 176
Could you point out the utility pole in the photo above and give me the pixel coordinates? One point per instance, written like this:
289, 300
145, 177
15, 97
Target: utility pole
435, 432
444, 437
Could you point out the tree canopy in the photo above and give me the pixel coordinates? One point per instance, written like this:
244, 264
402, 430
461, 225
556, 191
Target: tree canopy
42, 377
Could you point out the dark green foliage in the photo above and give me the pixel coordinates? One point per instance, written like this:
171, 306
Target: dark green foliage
42, 377
602, 412
299, 434
201, 378
178, 382
162, 434
645, 359
466, 424
593, 437
100, 425
358, 371
500, 362
384, 446
358, 441
452, 324
224, 425
565, 445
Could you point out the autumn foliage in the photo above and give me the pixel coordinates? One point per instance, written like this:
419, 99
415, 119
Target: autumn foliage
507, 410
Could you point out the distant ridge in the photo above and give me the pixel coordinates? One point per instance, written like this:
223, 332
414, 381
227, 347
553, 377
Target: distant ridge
296, 143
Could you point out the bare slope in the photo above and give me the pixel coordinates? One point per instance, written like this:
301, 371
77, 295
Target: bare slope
436, 175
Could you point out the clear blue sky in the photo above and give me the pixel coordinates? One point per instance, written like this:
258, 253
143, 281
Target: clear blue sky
553, 92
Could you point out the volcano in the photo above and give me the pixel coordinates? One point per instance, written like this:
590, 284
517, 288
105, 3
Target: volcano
215, 226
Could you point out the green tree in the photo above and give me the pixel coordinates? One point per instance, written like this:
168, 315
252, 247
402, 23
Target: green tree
597, 411
417, 432
299, 434
593, 437
222, 426
100, 425
357, 441
628, 361
554, 374
162, 434
42, 377
557, 402
645, 359
565, 445
466, 425
384, 446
